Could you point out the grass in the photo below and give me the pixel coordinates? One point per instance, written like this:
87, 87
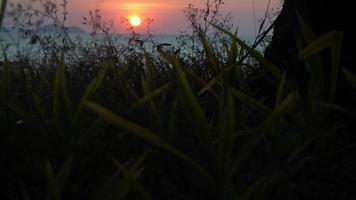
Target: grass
161, 131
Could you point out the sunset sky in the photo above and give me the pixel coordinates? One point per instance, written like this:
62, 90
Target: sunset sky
167, 14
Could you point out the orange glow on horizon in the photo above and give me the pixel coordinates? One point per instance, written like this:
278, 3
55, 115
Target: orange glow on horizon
168, 15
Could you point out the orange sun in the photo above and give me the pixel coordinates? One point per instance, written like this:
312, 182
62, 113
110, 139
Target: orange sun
134, 20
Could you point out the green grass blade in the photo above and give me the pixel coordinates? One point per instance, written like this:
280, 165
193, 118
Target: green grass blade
129, 180
61, 104
337, 108
351, 78
233, 52
227, 133
2, 10
189, 99
128, 90
142, 133
245, 151
121, 185
281, 88
189, 72
215, 80
213, 62
194, 108
319, 44
335, 64
120, 188
64, 173
92, 88
122, 181
251, 102
6, 80
173, 117
114, 185
316, 83
254, 53
25, 194
252, 189
201, 82
38, 106
148, 97
52, 184
271, 122
132, 174
150, 71
16, 109
153, 109
308, 34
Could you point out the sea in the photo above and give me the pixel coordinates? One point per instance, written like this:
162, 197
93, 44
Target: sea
13, 43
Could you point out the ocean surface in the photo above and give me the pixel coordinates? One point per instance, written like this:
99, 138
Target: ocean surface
13, 43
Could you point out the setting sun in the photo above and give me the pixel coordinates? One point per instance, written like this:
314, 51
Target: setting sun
135, 21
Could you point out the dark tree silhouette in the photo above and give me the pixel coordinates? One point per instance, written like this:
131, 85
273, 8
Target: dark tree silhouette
322, 16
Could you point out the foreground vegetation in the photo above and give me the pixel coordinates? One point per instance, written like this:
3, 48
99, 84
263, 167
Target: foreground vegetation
161, 127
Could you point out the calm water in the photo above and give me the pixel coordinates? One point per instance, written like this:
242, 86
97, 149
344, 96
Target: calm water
12, 44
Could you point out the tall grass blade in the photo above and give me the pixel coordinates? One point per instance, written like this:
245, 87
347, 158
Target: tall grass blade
128, 90
247, 149
335, 64
132, 174
189, 72
270, 124
52, 184
142, 133
150, 96
320, 44
173, 117
215, 80
227, 133
308, 34
61, 104
64, 173
189, 99
351, 78
201, 82
92, 88
38, 106
213, 62
116, 187
150, 71
280, 93
121, 185
2, 11
152, 104
195, 110
6, 80
252, 189
25, 194
337, 108
120, 189
233, 52
258, 56
251, 102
